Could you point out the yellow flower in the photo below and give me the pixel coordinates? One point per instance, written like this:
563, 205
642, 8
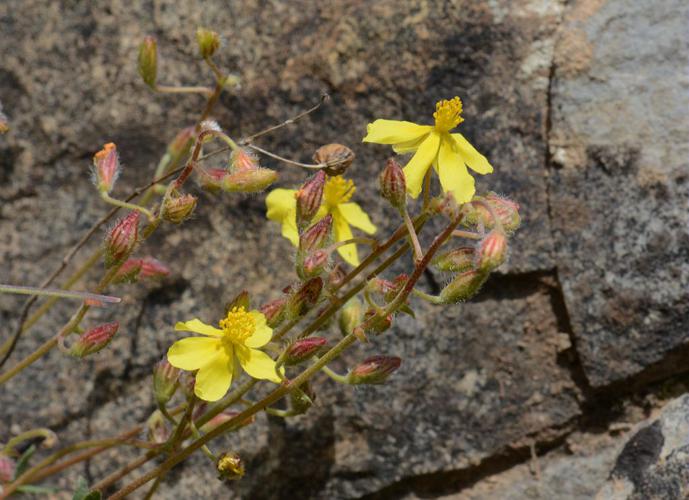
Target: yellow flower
450, 154
282, 208
219, 355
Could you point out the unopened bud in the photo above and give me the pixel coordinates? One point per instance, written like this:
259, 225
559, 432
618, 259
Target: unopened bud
304, 299
303, 349
226, 416
106, 167
153, 268
374, 323
148, 61
156, 425
446, 205
94, 339
316, 236
393, 185
309, 199
181, 144
314, 264
121, 239
128, 272
208, 41
463, 286
274, 311
230, 467
302, 398
336, 156
456, 260
179, 208
7, 469
351, 315
249, 181
242, 159
211, 179
165, 381
506, 210
374, 370
241, 300
491, 251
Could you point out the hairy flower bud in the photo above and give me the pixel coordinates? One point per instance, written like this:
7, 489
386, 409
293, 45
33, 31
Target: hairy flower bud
336, 156
181, 144
121, 239
303, 349
462, 286
506, 210
128, 272
148, 61
153, 268
314, 264
208, 42
179, 208
156, 425
316, 236
393, 185
106, 167
242, 159
446, 205
351, 315
7, 469
375, 324
491, 251
304, 299
274, 311
94, 339
309, 199
165, 381
211, 179
456, 260
249, 181
230, 466
374, 370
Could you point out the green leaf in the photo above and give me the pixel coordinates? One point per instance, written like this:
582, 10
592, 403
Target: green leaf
37, 490
407, 310
23, 462
82, 492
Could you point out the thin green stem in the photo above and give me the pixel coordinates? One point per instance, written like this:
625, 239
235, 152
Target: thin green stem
170, 89
130, 206
56, 292
418, 253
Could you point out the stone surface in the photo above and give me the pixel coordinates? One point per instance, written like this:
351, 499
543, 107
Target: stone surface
618, 185
479, 380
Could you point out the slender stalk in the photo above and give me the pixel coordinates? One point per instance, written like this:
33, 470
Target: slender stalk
470, 235
418, 253
124, 204
169, 89
57, 292
312, 166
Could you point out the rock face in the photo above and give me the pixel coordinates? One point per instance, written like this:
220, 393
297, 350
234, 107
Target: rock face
581, 109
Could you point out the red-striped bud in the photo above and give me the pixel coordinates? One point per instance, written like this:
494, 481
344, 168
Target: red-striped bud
121, 239
309, 199
179, 208
316, 236
211, 179
314, 264
393, 185
446, 205
181, 144
506, 210
491, 251
463, 286
165, 381
274, 311
303, 349
94, 340
457, 260
242, 160
374, 370
128, 272
148, 61
304, 299
106, 167
153, 268
249, 181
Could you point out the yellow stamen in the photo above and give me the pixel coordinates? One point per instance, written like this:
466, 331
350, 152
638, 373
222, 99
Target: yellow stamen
238, 326
338, 190
447, 114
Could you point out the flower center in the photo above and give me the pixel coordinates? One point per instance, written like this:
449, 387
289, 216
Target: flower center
238, 326
447, 114
338, 190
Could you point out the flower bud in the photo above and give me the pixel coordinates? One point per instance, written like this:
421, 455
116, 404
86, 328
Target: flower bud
304, 299
249, 181
148, 61
274, 311
211, 179
181, 144
230, 466
309, 199
302, 398
226, 416
303, 349
106, 167
241, 300
506, 210
314, 264
393, 185
351, 315
462, 286
94, 339
208, 41
316, 236
158, 431
128, 272
7, 469
165, 381
373, 323
336, 156
121, 239
491, 251
374, 370
153, 268
242, 159
446, 205
179, 208
456, 260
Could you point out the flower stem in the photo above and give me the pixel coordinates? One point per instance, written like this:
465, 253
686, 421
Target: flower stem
418, 253
57, 292
171, 89
123, 204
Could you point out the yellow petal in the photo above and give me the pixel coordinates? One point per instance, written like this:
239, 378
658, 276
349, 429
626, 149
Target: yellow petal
344, 232
193, 352
215, 377
474, 160
417, 167
394, 132
453, 173
409, 146
198, 326
262, 333
257, 364
282, 208
356, 216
